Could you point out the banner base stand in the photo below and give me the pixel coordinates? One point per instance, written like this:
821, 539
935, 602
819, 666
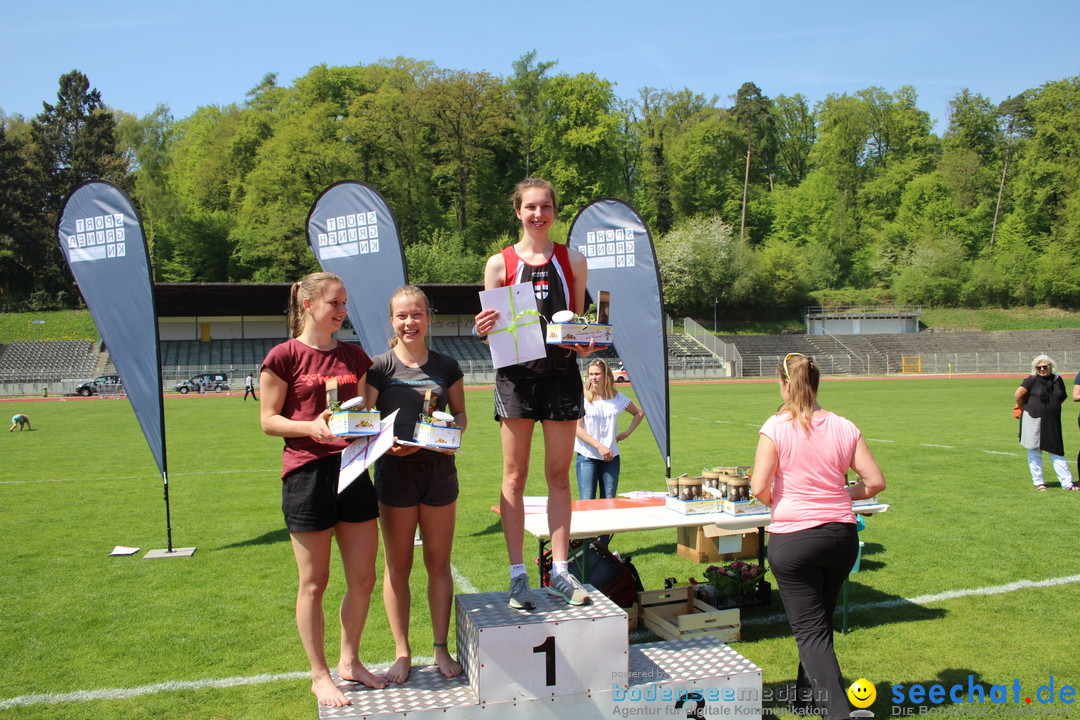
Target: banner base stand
175, 552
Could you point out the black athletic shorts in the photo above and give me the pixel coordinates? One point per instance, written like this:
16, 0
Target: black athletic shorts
430, 479
551, 397
311, 503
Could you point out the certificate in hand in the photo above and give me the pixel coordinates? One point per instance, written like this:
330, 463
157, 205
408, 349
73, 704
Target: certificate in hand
362, 452
517, 336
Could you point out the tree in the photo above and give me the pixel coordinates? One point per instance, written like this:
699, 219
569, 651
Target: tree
72, 141
973, 125
470, 118
751, 112
147, 144
527, 87
700, 260
1014, 117
18, 251
795, 135
388, 129
75, 140
577, 145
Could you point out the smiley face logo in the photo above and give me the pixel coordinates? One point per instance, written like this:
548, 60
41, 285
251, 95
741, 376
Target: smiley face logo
862, 693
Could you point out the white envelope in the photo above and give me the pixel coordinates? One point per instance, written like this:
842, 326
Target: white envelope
363, 452
518, 336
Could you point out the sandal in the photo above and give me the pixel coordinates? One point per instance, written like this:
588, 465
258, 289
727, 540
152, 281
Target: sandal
1073, 487
1040, 488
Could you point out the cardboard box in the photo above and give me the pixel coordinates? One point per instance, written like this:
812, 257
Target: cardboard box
694, 507
749, 507
710, 544
578, 334
438, 436
354, 423
675, 614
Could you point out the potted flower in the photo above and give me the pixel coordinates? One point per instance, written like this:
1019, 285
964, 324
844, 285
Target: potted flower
738, 584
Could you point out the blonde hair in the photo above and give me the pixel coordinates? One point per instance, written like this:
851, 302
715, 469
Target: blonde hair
529, 184
609, 382
310, 288
802, 376
407, 291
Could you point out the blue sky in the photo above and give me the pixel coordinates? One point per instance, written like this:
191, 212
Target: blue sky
188, 54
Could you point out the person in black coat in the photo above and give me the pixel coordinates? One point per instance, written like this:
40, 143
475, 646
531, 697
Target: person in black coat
1039, 400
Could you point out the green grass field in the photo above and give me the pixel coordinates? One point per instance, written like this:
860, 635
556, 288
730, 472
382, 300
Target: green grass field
964, 517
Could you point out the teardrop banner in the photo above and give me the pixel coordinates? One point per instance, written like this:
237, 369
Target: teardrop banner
622, 261
354, 235
102, 239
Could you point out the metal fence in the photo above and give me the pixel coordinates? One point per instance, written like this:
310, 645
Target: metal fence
679, 368
938, 363
727, 353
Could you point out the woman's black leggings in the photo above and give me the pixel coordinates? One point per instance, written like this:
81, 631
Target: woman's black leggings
810, 567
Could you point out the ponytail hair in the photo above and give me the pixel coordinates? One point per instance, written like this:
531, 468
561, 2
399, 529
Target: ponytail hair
309, 288
802, 376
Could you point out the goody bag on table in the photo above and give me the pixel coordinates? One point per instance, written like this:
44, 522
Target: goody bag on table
592, 563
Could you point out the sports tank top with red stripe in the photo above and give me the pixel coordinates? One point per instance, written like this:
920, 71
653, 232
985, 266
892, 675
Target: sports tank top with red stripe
553, 287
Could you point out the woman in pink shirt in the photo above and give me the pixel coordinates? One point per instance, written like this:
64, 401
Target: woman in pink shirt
800, 471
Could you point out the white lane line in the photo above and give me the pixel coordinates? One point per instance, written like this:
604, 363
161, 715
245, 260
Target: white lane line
171, 686
138, 477
947, 447
879, 440
938, 597
462, 582
998, 452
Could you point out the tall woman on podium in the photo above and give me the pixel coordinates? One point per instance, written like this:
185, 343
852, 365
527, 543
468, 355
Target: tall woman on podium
800, 471
547, 390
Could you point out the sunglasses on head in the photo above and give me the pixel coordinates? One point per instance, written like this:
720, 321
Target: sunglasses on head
787, 373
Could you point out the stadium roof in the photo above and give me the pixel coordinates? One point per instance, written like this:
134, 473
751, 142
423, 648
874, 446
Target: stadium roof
221, 299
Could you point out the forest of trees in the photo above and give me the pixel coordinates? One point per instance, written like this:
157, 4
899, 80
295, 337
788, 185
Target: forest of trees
761, 204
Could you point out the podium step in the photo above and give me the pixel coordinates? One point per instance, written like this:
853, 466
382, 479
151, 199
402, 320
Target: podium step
426, 692
663, 679
554, 650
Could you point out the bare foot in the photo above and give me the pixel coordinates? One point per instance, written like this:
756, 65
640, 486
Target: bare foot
357, 673
327, 692
399, 671
448, 666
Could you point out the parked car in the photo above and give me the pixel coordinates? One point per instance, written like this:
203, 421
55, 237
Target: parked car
619, 373
204, 382
101, 385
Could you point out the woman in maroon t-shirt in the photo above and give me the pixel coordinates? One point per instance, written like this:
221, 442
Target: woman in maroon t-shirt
293, 406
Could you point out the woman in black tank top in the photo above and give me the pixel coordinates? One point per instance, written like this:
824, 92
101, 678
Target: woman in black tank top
548, 391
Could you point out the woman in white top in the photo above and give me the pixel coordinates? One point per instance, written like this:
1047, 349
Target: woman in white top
598, 435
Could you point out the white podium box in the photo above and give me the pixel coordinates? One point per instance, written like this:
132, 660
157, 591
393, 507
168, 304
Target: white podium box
671, 678
552, 651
